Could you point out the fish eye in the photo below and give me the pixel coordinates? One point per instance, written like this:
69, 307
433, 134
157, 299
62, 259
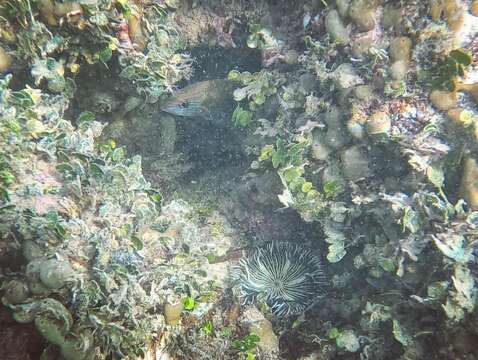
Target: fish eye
183, 104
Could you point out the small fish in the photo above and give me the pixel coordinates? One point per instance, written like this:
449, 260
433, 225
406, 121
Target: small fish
202, 99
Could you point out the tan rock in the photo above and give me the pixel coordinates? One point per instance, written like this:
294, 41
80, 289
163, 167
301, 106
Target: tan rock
471, 89
257, 323
451, 10
136, 32
7, 34
392, 17
436, 9
474, 8
378, 123
268, 339
5, 61
346, 77
443, 100
65, 8
399, 70
362, 44
47, 11
400, 49
362, 14
172, 312
461, 116
356, 129
454, 14
336, 28
469, 183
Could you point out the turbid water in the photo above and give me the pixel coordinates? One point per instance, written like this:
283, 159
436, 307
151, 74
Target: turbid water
238, 180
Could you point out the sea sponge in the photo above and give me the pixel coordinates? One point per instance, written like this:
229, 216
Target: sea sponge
336, 28
53, 320
400, 49
345, 77
356, 128
465, 118
451, 10
378, 123
400, 52
172, 313
14, 292
460, 116
47, 11
364, 92
443, 100
362, 14
361, 44
399, 69
135, 31
469, 183
474, 8
336, 136
7, 34
5, 61
78, 345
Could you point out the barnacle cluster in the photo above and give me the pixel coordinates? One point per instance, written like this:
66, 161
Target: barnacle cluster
285, 276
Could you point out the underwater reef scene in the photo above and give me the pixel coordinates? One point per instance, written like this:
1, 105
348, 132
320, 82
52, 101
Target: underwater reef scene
233, 179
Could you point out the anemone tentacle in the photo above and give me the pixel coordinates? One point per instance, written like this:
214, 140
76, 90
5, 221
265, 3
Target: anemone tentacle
286, 276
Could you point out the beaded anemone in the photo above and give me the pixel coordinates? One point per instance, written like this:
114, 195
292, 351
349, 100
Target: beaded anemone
286, 276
